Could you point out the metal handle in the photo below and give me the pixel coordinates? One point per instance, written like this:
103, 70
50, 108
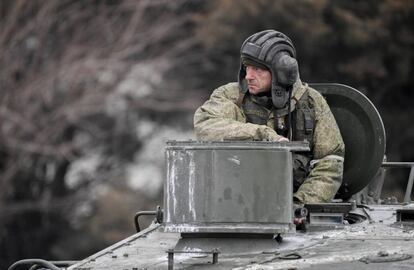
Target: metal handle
157, 213
43, 263
408, 190
171, 252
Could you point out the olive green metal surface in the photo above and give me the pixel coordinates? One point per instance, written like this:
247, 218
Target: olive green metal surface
243, 187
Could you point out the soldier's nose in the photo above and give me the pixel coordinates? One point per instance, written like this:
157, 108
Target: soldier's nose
249, 74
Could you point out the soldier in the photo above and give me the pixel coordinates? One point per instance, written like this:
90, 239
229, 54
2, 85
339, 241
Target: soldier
269, 102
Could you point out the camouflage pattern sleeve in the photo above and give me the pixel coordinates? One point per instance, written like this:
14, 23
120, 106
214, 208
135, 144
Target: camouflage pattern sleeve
220, 118
325, 176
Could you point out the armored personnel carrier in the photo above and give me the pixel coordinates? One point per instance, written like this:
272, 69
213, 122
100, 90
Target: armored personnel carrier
228, 205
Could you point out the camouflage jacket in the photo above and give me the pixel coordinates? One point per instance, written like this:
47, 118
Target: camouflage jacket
220, 118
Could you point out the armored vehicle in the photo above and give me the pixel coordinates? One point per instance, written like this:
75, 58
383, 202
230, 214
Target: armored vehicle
228, 205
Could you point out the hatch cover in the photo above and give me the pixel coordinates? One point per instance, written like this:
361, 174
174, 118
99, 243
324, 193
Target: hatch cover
362, 131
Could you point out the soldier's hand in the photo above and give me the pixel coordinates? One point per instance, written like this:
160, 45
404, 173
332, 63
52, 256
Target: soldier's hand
271, 135
299, 221
282, 139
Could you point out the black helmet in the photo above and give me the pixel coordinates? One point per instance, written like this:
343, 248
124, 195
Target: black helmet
275, 51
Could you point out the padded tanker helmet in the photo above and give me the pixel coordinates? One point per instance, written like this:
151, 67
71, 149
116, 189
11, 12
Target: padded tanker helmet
275, 51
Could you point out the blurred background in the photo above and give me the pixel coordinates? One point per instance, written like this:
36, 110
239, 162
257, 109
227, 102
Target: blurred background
91, 90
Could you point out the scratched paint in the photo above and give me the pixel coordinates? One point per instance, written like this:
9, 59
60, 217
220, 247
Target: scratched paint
235, 160
170, 186
191, 186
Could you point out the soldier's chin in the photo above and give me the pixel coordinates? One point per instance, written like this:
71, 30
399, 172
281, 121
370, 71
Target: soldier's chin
254, 90
251, 88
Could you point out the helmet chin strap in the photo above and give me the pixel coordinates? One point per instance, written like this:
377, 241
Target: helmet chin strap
283, 115
289, 124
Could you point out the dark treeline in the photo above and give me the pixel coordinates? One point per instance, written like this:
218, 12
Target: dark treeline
79, 80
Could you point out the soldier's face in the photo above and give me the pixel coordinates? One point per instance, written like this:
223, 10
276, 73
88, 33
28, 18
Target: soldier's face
259, 80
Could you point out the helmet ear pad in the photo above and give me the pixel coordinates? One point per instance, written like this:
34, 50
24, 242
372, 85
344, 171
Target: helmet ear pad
285, 68
285, 72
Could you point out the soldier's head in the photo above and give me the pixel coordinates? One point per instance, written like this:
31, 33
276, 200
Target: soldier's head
270, 53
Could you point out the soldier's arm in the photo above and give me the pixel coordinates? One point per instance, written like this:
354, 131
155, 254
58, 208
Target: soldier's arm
220, 118
325, 176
